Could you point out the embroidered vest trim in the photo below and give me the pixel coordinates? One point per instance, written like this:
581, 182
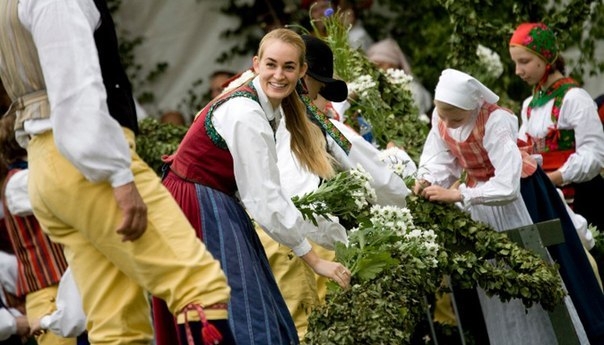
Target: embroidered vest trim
555, 139
320, 119
247, 91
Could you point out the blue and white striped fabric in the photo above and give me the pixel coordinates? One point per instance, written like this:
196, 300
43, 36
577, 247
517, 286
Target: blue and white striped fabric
257, 311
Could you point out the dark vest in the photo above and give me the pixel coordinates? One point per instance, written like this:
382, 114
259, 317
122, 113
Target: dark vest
119, 91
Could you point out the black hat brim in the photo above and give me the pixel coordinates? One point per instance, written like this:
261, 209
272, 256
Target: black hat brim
335, 90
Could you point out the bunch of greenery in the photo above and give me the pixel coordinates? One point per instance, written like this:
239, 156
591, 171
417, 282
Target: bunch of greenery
398, 256
383, 99
346, 196
157, 139
393, 263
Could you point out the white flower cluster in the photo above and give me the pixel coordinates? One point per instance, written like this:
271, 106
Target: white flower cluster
418, 242
361, 85
398, 161
394, 218
490, 61
366, 196
399, 77
427, 240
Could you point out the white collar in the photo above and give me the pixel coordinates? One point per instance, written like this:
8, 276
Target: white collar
267, 107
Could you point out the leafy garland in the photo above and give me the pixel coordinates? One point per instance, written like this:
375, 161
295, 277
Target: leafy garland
436, 34
383, 99
517, 273
393, 270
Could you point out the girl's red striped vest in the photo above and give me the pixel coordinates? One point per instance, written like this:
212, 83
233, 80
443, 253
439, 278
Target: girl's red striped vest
41, 262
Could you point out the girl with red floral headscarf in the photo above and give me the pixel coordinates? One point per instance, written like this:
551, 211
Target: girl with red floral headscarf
560, 122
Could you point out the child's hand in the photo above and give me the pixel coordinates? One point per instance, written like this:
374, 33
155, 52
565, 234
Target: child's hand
36, 329
438, 193
419, 186
22, 326
556, 177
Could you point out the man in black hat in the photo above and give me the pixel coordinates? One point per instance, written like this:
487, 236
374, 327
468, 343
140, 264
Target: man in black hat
319, 76
323, 88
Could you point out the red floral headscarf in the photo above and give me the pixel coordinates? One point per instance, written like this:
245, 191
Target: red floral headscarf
541, 41
537, 38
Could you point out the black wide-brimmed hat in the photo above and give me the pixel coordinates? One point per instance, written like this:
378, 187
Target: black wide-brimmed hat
319, 58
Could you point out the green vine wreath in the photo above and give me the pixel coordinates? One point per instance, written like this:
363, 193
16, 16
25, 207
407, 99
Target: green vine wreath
515, 273
392, 273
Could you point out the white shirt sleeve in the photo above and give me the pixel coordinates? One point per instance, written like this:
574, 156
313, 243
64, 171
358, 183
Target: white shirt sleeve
243, 125
63, 32
68, 320
579, 112
436, 164
17, 198
390, 189
8, 324
8, 272
500, 143
439, 166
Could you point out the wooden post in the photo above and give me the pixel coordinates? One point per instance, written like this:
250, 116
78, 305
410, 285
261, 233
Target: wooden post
536, 238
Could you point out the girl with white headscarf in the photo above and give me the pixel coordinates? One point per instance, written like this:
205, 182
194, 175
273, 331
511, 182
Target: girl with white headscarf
471, 133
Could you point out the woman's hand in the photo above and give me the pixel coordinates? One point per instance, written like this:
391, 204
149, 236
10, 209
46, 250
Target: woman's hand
36, 329
330, 269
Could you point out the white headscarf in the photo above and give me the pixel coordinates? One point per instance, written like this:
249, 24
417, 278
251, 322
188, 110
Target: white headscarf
388, 50
462, 90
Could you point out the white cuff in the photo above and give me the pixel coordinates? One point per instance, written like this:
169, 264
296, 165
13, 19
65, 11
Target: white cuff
17, 197
45, 322
121, 178
303, 248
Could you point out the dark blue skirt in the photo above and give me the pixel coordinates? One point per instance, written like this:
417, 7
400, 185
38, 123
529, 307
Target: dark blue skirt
257, 311
544, 203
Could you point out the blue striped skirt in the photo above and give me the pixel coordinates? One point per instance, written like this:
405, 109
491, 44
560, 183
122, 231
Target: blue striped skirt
257, 311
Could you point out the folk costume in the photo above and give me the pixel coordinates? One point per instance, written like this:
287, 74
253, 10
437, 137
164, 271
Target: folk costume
485, 147
562, 125
41, 263
224, 169
75, 111
302, 289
